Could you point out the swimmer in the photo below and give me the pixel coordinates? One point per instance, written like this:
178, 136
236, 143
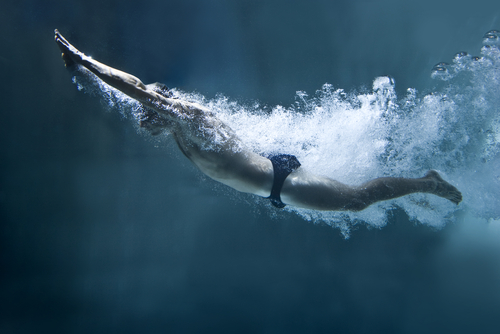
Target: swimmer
227, 160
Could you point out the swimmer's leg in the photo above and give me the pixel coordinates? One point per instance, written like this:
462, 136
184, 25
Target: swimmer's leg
321, 193
386, 188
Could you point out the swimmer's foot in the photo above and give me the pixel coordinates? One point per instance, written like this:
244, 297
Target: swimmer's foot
443, 188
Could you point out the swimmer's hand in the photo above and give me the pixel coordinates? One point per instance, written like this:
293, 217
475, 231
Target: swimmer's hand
124, 82
70, 54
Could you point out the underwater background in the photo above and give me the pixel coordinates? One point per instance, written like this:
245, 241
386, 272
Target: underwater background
104, 228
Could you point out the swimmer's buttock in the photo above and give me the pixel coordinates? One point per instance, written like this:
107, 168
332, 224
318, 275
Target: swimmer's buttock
283, 165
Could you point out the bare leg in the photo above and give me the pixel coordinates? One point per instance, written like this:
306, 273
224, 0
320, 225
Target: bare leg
382, 189
322, 193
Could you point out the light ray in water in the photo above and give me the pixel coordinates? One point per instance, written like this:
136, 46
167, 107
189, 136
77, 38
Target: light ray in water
355, 137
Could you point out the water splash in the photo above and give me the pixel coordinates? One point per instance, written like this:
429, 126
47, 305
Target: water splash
355, 137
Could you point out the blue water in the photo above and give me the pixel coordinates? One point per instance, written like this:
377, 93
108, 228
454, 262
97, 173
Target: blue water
106, 229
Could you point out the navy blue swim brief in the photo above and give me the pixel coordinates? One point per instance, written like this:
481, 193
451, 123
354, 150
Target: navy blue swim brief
283, 165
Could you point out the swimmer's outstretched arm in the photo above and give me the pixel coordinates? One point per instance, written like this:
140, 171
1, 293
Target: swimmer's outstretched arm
126, 83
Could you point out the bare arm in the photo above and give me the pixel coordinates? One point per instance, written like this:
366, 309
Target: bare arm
126, 83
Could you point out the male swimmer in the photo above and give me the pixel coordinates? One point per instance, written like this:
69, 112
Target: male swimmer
279, 177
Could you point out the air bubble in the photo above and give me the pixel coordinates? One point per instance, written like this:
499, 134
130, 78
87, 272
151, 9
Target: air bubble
441, 71
492, 38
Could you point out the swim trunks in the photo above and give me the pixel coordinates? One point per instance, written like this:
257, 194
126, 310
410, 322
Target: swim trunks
283, 165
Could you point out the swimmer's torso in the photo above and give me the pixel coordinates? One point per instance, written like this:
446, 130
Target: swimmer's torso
228, 163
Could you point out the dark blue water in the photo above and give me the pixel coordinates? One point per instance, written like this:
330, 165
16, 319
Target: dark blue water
106, 229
